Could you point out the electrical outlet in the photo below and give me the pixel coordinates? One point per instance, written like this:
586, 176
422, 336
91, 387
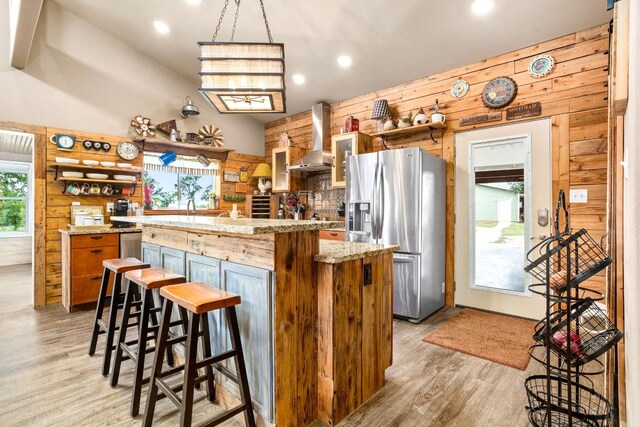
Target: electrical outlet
443, 287
110, 207
368, 274
578, 196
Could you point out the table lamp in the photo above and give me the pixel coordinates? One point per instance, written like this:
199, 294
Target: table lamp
263, 171
380, 112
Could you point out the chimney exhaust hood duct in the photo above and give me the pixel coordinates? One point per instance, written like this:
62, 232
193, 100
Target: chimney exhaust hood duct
317, 160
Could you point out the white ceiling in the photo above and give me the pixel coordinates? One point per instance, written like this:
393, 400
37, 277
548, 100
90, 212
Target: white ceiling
391, 42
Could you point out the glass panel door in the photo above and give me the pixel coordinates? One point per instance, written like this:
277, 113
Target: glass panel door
499, 174
280, 182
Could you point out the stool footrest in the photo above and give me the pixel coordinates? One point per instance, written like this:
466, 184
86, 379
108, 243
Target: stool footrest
227, 415
226, 372
215, 359
171, 392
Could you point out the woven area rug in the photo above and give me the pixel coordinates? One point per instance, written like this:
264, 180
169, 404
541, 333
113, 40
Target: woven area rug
494, 337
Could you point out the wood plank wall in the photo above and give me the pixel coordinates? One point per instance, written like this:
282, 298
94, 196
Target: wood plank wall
58, 205
234, 162
573, 95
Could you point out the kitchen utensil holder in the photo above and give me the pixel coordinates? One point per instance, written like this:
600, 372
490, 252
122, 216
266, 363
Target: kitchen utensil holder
552, 407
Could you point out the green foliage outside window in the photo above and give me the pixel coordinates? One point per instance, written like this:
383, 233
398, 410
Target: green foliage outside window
14, 189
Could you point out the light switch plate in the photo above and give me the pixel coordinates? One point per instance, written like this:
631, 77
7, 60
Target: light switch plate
578, 196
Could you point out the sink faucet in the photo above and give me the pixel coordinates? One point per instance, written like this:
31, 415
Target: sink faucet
191, 201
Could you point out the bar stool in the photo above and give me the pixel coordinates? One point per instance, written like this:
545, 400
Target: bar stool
198, 299
119, 266
144, 282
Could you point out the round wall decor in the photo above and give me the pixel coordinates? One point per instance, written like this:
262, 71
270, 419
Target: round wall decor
541, 65
499, 92
127, 150
459, 88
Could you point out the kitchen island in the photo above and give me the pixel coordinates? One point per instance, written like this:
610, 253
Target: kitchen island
315, 319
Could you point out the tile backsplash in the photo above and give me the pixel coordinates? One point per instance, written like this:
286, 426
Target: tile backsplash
322, 199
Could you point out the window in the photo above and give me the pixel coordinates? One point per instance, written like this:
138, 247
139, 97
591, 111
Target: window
14, 197
173, 186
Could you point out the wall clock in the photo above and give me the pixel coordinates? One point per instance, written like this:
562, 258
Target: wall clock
541, 65
63, 142
127, 150
459, 88
499, 92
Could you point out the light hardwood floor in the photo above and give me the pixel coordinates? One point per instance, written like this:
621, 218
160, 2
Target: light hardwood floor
47, 378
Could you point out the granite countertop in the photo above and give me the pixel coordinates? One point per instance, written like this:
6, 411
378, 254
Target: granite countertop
228, 225
335, 252
111, 230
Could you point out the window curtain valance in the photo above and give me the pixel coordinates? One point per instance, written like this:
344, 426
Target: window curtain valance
183, 166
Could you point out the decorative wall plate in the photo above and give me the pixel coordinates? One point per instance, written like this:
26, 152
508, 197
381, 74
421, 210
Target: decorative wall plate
541, 65
459, 88
499, 92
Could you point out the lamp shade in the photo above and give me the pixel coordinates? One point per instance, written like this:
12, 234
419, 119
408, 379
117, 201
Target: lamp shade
243, 77
380, 109
263, 170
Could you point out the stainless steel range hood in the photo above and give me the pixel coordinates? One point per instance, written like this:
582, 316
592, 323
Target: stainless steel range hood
317, 160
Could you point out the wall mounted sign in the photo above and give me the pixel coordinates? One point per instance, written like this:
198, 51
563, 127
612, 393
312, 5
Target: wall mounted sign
521, 111
459, 88
499, 92
231, 176
541, 65
496, 116
244, 175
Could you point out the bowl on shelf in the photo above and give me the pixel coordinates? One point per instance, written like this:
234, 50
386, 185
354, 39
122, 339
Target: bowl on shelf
90, 162
124, 165
97, 176
67, 161
70, 174
108, 164
124, 178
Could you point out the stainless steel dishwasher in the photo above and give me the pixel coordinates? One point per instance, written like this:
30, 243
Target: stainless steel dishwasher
131, 245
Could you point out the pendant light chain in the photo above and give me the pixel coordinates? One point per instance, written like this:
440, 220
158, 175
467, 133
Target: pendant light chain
266, 23
224, 9
235, 21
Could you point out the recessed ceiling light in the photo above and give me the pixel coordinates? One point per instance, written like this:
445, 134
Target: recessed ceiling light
482, 7
298, 79
161, 27
344, 61
194, 2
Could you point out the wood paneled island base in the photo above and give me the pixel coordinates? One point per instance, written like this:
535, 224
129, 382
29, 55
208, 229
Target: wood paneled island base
316, 338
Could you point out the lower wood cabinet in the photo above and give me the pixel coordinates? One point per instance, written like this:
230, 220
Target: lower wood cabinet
255, 319
332, 235
82, 269
255, 315
151, 254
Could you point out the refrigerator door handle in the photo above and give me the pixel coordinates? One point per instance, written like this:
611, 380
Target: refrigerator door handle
381, 202
374, 207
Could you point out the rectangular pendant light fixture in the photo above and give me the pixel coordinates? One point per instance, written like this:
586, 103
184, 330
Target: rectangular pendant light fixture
243, 77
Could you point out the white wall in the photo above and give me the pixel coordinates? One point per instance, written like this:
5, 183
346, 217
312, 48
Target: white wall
632, 224
79, 77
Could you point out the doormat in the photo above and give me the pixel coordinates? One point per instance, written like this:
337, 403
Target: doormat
495, 337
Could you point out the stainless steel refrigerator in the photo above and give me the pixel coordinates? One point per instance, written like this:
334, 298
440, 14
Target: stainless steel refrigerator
397, 197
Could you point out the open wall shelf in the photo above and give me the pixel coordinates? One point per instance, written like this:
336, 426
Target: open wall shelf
184, 148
